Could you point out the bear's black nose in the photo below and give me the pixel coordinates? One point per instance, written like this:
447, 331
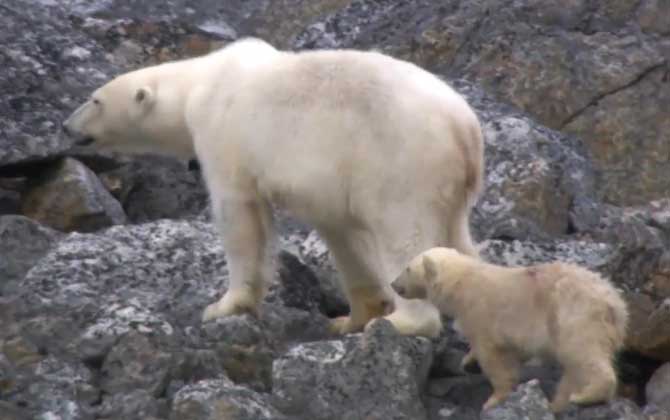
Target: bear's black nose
65, 129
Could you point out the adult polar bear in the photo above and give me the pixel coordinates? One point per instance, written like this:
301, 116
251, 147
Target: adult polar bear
381, 157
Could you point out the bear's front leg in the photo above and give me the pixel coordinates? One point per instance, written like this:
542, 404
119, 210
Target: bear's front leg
246, 226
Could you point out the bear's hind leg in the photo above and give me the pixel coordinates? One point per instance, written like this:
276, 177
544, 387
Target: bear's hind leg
248, 235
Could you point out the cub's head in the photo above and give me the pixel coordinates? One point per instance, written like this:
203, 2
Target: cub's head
432, 275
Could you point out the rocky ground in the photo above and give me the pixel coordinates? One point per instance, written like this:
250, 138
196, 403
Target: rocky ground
106, 262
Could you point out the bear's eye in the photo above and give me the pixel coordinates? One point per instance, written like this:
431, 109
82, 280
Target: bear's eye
96, 101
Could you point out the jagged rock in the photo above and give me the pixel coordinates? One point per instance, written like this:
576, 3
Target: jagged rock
617, 409
69, 197
376, 375
9, 411
154, 187
439, 410
600, 257
53, 388
127, 303
653, 412
47, 70
526, 402
155, 278
313, 252
136, 404
658, 388
136, 362
467, 392
219, 399
22, 243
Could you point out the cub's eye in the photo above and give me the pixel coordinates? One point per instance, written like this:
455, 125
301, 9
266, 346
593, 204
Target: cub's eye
96, 102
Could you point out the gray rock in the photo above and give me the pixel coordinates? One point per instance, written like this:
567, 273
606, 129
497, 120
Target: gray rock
439, 410
374, 375
9, 411
469, 391
58, 389
22, 243
526, 402
653, 412
47, 71
618, 409
154, 278
136, 404
69, 197
313, 251
218, 399
658, 388
155, 187
600, 257
136, 362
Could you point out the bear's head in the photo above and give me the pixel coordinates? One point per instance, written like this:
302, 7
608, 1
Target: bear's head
126, 115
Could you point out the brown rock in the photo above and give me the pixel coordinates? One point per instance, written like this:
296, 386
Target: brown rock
628, 134
649, 326
69, 197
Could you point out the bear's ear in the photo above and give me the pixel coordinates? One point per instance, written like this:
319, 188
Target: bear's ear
429, 269
144, 96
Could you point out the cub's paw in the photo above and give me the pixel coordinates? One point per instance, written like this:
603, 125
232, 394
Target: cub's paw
230, 304
493, 400
344, 325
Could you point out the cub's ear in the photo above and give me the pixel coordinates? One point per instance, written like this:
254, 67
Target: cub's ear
430, 269
144, 96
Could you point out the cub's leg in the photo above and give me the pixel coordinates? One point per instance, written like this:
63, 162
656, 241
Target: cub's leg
246, 226
568, 383
501, 366
598, 379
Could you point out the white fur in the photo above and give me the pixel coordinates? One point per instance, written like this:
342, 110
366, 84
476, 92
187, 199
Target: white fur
383, 158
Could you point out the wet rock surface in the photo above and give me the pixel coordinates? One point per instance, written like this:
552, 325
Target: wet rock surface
106, 324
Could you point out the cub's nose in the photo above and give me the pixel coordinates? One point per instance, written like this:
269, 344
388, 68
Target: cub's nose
64, 128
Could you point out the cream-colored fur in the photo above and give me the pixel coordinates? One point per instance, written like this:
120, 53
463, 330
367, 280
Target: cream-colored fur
383, 158
509, 315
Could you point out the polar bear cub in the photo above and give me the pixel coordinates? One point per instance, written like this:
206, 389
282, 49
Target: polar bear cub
381, 157
509, 315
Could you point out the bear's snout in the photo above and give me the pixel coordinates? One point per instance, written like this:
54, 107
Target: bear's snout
399, 289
